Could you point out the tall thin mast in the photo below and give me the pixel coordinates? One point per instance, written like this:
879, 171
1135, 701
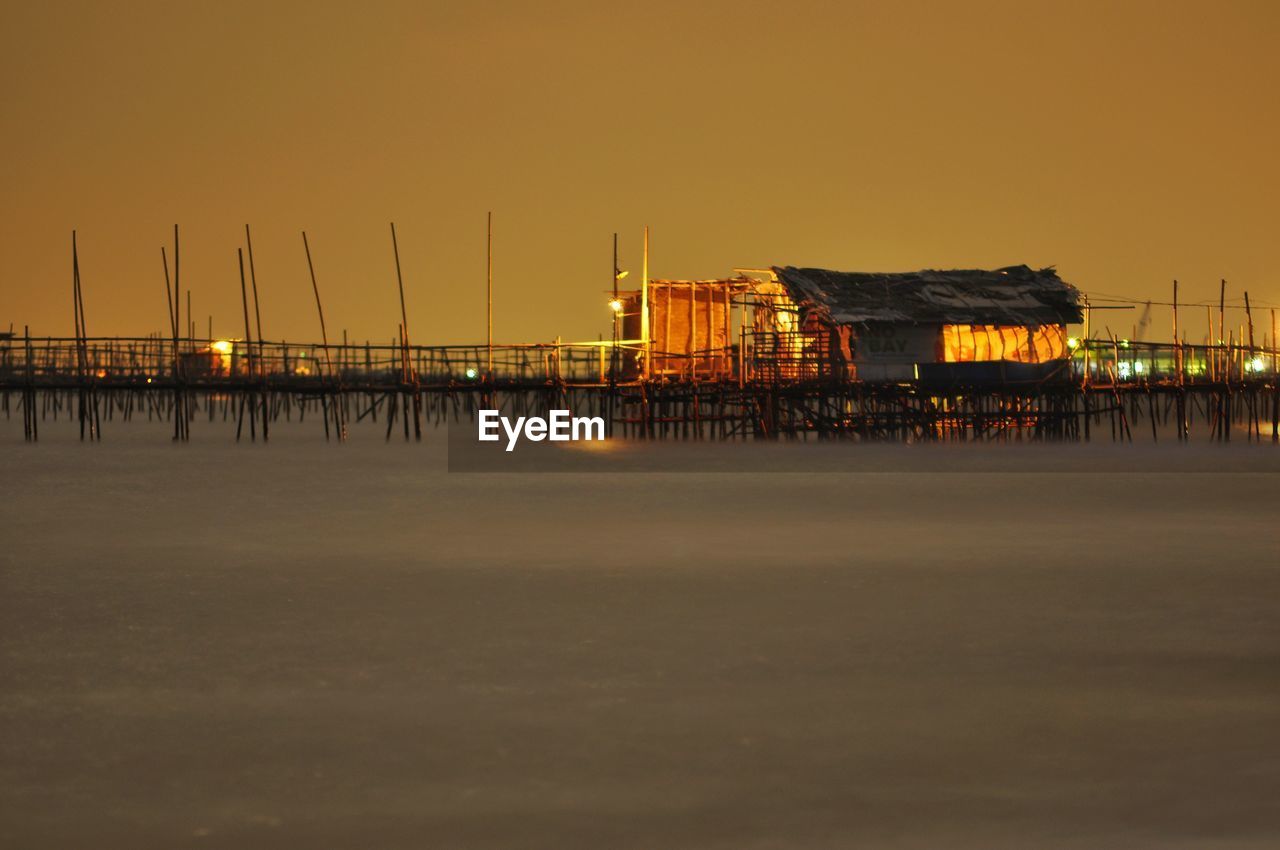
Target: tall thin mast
616, 311
489, 314
324, 333
257, 317
324, 340
253, 281
404, 316
644, 302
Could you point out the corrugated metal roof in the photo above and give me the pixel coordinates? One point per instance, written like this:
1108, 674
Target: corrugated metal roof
1016, 295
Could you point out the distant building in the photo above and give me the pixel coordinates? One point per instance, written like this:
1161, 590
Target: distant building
219, 359
690, 326
954, 326
798, 324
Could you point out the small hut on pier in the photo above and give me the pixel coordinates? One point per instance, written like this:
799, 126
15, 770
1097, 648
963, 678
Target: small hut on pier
218, 359
690, 326
960, 326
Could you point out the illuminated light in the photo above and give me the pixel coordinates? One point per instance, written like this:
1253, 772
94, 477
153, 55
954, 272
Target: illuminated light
471, 373
615, 305
1124, 370
148, 380
598, 446
621, 275
1257, 365
1073, 343
1138, 366
222, 346
102, 373
1124, 343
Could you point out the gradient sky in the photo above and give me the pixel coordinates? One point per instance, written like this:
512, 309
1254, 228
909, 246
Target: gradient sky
1126, 143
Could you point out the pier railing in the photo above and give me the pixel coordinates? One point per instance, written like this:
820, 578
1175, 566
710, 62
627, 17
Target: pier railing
767, 359
805, 357
133, 361
769, 386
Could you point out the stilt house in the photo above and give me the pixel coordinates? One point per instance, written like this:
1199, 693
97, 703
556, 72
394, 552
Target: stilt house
964, 326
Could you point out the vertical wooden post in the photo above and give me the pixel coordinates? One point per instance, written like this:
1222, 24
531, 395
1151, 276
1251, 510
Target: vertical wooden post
29, 403
693, 329
1222, 329
404, 316
88, 408
324, 338
489, 311
1210, 347
75, 317
1177, 347
257, 318
617, 317
644, 305
1248, 315
248, 340
1275, 381
1086, 340
408, 373
616, 307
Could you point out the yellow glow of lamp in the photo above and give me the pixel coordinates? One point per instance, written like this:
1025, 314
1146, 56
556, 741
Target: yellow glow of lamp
222, 346
1073, 343
615, 305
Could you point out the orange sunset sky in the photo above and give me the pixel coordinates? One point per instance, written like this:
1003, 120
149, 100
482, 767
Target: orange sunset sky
1125, 143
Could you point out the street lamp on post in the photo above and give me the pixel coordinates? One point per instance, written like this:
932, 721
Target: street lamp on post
616, 306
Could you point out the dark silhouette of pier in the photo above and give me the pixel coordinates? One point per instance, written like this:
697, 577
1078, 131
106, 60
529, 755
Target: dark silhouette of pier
1120, 390
679, 365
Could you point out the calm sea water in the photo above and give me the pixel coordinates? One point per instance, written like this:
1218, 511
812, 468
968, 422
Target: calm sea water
305, 645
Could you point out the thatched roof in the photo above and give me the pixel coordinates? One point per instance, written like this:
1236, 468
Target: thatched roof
1016, 295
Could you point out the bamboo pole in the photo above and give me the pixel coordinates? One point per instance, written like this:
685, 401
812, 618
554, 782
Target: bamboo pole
180, 411
1211, 348
257, 318
644, 306
1222, 329
404, 315
408, 373
1087, 340
1177, 348
248, 339
324, 341
1275, 381
489, 301
1248, 315
615, 362
75, 317
89, 392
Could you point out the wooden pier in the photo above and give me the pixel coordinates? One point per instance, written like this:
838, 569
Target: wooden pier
1117, 390
762, 355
